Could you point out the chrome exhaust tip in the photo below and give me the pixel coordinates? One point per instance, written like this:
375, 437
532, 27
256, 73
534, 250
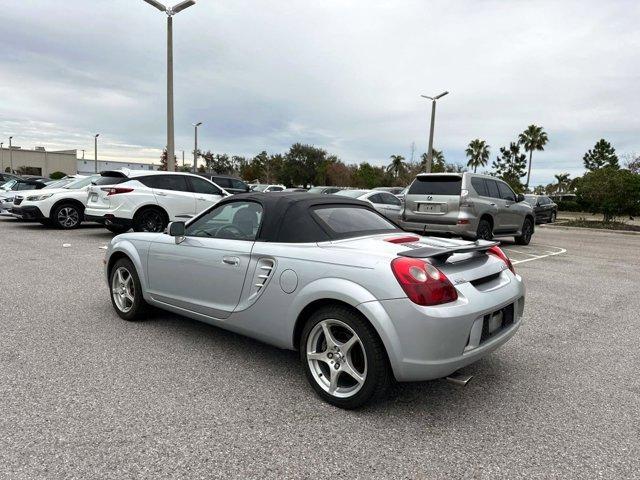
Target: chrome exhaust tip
459, 379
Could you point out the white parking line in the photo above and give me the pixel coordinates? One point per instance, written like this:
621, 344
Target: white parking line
562, 250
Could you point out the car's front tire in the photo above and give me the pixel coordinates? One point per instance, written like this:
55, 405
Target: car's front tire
67, 216
553, 217
527, 232
126, 292
343, 358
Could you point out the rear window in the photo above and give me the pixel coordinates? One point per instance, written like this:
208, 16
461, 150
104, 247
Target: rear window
107, 180
351, 221
436, 185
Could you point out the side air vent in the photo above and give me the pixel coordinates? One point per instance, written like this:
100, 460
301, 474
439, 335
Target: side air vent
264, 269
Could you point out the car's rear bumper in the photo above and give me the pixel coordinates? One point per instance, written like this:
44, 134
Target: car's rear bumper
27, 212
425, 343
109, 220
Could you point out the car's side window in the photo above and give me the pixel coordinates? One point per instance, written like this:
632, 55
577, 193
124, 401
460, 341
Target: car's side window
237, 184
376, 198
275, 189
235, 221
166, 182
389, 199
505, 192
492, 188
200, 185
480, 186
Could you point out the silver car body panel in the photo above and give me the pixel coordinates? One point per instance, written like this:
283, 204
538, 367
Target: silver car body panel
264, 292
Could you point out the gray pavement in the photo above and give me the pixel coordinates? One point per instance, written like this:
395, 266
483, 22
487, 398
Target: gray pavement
84, 394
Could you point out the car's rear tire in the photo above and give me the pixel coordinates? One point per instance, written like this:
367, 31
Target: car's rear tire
484, 231
552, 218
350, 367
67, 216
527, 232
150, 220
117, 229
126, 292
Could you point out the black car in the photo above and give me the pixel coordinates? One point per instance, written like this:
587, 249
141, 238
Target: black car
544, 208
17, 184
230, 184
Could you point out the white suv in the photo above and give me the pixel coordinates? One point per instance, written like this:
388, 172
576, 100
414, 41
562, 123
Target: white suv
148, 200
61, 205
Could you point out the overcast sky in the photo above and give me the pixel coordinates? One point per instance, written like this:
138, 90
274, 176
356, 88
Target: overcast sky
343, 75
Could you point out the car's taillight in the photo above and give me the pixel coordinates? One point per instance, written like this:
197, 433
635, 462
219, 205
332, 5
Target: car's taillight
497, 251
423, 283
406, 239
116, 190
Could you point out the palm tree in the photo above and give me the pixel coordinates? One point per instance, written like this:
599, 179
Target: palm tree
533, 138
563, 181
478, 153
397, 166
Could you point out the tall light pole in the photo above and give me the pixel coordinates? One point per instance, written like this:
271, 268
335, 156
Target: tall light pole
95, 151
433, 121
170, 11
1, 157
195, 147
10, 155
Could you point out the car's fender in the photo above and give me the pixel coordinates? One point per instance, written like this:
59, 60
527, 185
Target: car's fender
353, 294
136, 251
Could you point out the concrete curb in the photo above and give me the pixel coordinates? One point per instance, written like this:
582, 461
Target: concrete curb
601, 230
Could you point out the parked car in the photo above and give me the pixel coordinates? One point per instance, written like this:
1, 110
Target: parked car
295, 189
20, 184
545, 209
392, 190
5, 177
231, 184
324, 190
7, 197
467, 204
148, 200
62, 207
266, 188
384, 202
362, 301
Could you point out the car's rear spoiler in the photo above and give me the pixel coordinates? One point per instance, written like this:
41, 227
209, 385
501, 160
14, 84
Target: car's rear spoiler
442, 253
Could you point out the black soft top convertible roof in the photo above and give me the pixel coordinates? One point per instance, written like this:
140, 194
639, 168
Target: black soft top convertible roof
287, 216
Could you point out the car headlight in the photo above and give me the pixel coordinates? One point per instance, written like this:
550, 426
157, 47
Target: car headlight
37, 198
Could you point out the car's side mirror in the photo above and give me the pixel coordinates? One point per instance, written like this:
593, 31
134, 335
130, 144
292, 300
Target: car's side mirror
177, 230
520, 197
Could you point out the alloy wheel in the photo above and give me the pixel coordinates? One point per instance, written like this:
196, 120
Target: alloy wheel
527, 231
68, 217
152, 221
122, 289
336, 358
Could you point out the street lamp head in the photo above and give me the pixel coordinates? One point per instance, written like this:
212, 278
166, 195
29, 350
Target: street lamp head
181, 6
440, 96
157, 5
424, 96
197, 124
97, 135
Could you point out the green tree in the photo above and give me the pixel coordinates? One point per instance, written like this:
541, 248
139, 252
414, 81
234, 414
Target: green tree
368, 176
610, 191
602, 155
397, 167
533, 138
511, 166
478, 154
163, 161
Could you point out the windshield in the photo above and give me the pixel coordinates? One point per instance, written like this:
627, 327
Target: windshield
81, 182
351, 193
530, 199
60, 183
260, 188
9, 184
316, 189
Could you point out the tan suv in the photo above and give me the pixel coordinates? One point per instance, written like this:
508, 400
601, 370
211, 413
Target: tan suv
467, 204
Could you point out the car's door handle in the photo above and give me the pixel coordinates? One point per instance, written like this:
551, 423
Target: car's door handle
202, 198
235, 261
161, 194
492, 204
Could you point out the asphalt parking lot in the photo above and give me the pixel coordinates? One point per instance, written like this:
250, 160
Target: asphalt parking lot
87, 395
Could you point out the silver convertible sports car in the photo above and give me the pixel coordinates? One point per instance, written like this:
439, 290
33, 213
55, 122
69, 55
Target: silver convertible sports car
364, 302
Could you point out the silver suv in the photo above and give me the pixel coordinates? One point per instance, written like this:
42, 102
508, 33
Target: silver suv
467, 204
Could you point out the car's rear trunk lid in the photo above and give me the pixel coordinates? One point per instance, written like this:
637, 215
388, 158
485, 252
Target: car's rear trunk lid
434, 198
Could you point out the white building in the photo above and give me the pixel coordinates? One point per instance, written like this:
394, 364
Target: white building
37, 161
88, 166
